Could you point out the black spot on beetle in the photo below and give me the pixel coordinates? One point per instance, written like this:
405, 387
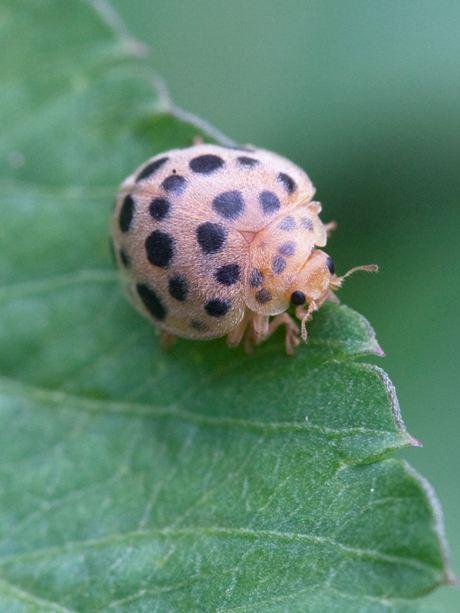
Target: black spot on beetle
288, 182
229, 205
198, 325
228, 274
126, 213
211, 237
256, 277
159, 208
205, 164
160, 248
263, 296
288, 224
151, 301
278, 264
174, 184
151, 168
178, 288
287, 249
270, 202
243, 160
217, 307
306, 223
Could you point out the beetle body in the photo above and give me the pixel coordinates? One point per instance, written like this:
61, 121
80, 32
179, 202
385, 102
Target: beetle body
214, 241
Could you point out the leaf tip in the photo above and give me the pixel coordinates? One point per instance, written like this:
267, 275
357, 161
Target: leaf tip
447, 575
450, 578
412, 441
377, 349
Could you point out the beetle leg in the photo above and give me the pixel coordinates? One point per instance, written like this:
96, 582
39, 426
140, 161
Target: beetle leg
255, 329
292, 331
256, 332
235, 336
330, 227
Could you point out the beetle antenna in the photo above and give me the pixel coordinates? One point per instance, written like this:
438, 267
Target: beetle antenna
366, 268
336, 282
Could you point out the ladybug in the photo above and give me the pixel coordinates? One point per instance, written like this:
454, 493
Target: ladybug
214, 241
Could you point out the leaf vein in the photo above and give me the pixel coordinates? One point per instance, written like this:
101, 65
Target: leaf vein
57, 397
9, 589
115, 539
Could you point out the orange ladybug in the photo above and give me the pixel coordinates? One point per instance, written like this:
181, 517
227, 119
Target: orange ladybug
214, 241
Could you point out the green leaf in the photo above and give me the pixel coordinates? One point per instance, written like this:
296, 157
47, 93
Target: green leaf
194, 479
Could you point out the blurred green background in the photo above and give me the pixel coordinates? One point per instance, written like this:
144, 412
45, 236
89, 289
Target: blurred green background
365, 96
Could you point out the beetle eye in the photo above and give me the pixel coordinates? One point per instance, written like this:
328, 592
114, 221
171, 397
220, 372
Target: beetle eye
330, 265
298, 297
